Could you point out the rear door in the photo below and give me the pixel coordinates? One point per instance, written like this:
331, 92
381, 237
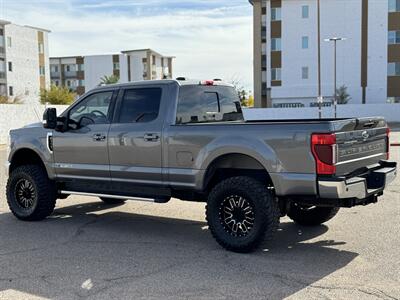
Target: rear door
135, 137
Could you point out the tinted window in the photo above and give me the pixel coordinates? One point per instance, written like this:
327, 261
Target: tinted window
140, 105
94, 108
199, 104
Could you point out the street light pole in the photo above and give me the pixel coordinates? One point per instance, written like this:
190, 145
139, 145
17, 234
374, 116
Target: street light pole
334, 40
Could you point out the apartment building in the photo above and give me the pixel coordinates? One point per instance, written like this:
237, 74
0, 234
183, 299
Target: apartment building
24, 61
294, 64
82, 73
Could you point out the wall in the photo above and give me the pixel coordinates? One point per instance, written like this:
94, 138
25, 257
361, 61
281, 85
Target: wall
24, 55
96, 67
18, 115
390, 111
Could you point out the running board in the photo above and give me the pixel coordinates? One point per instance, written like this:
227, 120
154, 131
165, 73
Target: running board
154, 200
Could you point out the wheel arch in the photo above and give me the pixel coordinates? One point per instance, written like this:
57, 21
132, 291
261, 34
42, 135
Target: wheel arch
234, 164
26, 156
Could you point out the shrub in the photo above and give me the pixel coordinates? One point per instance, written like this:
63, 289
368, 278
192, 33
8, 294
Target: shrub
9, 100
57, 96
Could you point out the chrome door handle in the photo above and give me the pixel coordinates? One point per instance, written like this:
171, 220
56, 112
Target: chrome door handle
99, 137
151, 137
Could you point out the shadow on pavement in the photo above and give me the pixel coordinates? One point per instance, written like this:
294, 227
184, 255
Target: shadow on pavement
77, 253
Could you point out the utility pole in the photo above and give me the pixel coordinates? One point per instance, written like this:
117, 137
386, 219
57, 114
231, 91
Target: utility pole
335, 40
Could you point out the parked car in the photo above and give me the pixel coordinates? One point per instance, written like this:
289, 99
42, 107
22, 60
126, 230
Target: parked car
155, 140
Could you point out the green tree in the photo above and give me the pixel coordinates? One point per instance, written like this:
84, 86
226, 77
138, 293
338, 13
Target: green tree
342, 95
57, 96
112, 79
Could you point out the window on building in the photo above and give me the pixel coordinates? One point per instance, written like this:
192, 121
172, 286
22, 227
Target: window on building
154, 59
68, 83
10, 66
41, 48
56, 69
305, 11
56, 82
394, 69
116, 66
1, 31
304, 72
140, 105
81, 67
393, 100
10, 91
9, 44
394, 37
67, 68
394, 5
275, 74
276, 44
276, 14
81, 82
304, 42
42, 71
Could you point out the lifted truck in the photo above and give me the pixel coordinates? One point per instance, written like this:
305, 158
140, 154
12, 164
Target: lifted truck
188, 140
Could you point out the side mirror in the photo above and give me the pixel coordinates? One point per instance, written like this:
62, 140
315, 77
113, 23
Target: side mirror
50, 118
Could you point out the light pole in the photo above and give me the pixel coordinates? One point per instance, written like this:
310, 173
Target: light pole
335, 40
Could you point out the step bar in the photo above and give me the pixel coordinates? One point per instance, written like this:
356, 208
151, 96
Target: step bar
153, 200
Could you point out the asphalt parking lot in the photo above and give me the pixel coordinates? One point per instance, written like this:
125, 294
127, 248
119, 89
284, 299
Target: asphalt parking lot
142, 250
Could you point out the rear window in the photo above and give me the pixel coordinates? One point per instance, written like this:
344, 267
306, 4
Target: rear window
202, 104
140, 105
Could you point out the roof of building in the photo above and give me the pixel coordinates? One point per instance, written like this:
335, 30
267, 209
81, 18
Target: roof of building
5, 22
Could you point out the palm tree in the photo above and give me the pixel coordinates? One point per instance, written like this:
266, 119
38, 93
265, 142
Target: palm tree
112, 79
342, 96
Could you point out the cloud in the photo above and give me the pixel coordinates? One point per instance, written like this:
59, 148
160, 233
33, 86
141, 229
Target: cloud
209, 38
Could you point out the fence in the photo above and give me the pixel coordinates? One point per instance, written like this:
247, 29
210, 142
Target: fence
18, 115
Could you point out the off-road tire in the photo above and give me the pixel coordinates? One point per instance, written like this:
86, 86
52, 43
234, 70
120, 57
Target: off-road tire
112, 201
311, 216
265, 207
44, 193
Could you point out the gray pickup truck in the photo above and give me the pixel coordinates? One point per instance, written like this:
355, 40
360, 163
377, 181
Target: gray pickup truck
156, 140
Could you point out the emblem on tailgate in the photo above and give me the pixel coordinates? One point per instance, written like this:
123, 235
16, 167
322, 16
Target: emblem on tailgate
365, 135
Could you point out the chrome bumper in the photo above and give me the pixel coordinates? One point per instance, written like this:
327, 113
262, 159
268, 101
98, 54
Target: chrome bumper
372, 184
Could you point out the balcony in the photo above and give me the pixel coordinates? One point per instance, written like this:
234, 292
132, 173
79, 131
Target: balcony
55, 75
70, 74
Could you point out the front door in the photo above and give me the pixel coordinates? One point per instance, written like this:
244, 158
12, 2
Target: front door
82, 151
135, 141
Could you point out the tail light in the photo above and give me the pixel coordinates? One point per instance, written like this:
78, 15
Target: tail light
207, 82
323, 147
387, 143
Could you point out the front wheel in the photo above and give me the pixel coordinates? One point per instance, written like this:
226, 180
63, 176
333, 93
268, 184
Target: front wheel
241, 212
311, 215
31, 195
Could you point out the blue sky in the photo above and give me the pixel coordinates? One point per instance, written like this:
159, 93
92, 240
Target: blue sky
210, 38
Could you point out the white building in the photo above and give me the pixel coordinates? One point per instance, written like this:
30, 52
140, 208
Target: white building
293, 64
24, 61
82, 73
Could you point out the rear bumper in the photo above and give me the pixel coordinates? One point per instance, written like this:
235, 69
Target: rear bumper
369, 185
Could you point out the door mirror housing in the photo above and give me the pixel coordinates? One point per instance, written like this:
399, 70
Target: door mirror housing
50, 118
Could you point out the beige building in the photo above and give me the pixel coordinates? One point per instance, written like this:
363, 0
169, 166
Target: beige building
82, 73
293, 64
24, 61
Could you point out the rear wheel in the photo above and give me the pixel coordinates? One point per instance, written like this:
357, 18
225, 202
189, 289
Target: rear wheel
31, 195
112, 201
311, 215
241, 213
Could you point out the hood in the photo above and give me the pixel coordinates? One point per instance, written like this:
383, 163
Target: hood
34, 125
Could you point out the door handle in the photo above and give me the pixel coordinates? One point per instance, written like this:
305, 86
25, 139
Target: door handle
151, 137
99, 137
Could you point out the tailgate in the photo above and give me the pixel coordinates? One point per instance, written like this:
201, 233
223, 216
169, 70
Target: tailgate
365, 145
